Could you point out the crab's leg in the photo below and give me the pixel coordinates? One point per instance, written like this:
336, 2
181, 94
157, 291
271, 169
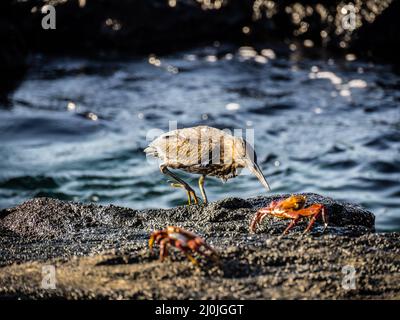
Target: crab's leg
201, 243
151, 242
195, 242
185, 251
324, 218
312, 221
200, 246
315, 210
291, 224
258, 218
192, 260
163, 248
207, 252
294, 215
321, 210
254, 221
155, 238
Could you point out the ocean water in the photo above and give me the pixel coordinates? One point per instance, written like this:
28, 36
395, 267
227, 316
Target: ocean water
75, 128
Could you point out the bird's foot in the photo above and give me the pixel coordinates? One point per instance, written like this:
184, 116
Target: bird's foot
190, 193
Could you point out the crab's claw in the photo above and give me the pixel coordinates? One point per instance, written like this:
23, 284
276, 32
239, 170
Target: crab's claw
151, 242
258, 218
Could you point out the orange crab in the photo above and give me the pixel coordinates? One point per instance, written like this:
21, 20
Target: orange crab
183, 240
290, 208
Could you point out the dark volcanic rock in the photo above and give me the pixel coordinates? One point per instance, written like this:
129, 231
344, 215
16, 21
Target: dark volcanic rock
381, 38
101, 252
134, 25
143, 26
47, 218
13, 54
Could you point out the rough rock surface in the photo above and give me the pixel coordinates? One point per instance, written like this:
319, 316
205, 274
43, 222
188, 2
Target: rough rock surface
101, 252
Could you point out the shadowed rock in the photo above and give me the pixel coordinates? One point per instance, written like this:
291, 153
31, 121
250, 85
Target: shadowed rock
142, 26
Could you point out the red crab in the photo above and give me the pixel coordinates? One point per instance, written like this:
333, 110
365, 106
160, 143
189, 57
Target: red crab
290, 208
183, 240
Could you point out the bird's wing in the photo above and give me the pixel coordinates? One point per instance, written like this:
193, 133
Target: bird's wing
186, 147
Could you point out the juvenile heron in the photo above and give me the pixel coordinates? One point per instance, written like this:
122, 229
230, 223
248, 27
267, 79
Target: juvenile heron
206, 151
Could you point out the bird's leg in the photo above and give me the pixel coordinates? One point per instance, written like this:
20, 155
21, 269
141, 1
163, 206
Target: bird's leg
189, 193
178, 185
182, 184
201, 186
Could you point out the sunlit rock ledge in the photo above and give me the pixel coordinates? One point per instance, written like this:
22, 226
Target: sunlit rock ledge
101, 252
